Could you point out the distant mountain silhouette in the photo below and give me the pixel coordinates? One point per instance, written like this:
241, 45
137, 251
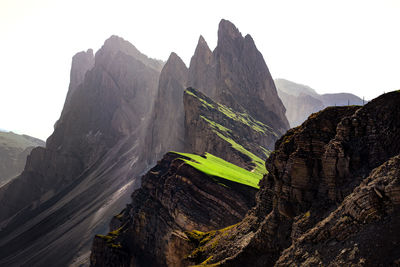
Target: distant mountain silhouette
301, 100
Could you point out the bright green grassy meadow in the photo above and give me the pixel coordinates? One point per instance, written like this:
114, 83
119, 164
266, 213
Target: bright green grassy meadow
215, 166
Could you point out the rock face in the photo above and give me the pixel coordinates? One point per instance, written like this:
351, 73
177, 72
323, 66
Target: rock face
174, 198
14, 149
363, 230
81, 63
166, 132
215, 128
90, 162
301, 101
322, 198
235, 75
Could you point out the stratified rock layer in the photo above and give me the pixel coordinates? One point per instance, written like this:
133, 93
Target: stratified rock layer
174, 198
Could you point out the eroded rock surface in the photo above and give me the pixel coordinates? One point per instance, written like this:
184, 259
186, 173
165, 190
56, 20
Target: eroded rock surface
321, 188
174, 198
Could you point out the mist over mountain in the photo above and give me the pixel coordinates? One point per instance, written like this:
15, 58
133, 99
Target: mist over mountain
14, 149
89, 163
301, 100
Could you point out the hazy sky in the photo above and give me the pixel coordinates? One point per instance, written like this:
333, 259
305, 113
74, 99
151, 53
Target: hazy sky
332, 46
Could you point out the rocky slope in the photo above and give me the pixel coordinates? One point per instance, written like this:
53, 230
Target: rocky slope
301, 100
14, 149
89, 165
322, 198
174, 198
215, 128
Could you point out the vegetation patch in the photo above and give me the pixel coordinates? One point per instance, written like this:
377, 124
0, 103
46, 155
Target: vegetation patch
204, 102
111, 238
215, 166
204, 241
216, 125
259, 163
243, 118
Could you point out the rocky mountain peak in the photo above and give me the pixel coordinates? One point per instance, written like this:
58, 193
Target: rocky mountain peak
174, 64
116, 44
227, 30
166, 131
243, 78
201, 74
81, 63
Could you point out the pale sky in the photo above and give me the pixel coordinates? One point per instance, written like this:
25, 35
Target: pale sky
332, 46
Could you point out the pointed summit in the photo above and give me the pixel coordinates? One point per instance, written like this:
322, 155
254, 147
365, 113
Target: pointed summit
174, 63
81, 63
227, 30
200, 70
167, 129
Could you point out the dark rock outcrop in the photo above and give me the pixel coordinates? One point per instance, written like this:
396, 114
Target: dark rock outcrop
326, 161
174, 198
301, 100
14, 149
90, 162
362, 231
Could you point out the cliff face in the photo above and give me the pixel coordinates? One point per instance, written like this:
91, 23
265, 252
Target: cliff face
166, 131
174, 198
88, 166
363, 230
301, 100
235, 75
14, 149
220, 130
326, 161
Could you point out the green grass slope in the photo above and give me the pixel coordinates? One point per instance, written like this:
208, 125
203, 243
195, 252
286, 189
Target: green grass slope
215, 166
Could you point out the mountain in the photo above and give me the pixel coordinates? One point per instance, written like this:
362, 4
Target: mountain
14, 149
301, 100
90, 162
236, 75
